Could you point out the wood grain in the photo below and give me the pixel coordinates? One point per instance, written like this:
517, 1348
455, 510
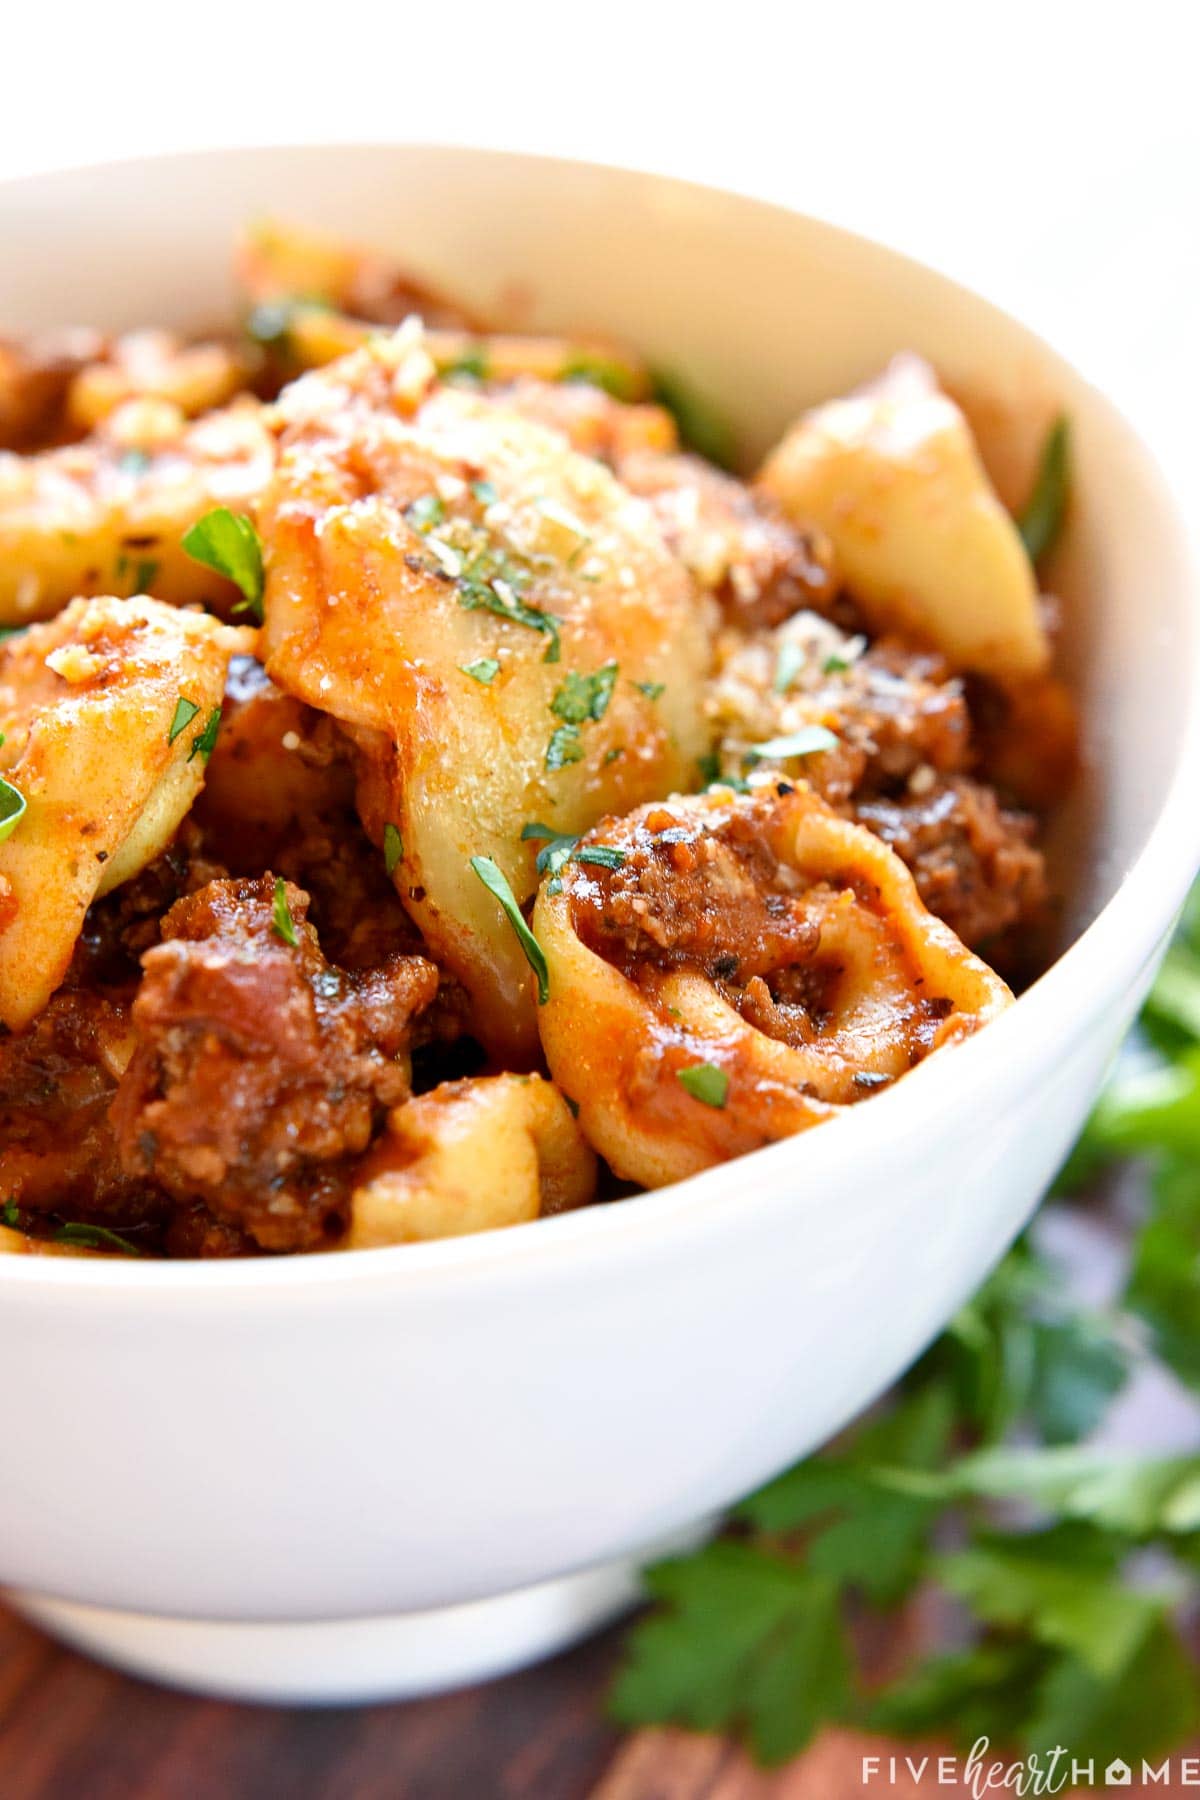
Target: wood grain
72, 1730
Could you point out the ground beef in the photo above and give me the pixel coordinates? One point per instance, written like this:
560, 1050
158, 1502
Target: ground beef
736, 542
260, 1067
707, 890
974, 861
712, 897
57, 1080
907, 764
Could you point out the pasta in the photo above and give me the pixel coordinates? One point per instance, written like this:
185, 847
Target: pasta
435, 795
109, 515
471, 1156
479, 537
751, 965
893, 475
91, 710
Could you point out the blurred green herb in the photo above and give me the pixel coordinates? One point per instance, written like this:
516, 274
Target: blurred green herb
1041, 518
1073, 1569
702, 427
227, 542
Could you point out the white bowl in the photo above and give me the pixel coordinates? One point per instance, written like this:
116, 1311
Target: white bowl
376, 1444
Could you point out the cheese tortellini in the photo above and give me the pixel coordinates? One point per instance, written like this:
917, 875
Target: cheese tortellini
499, 625
736, 968
472, 1155
103, 712
108, 515
892, 474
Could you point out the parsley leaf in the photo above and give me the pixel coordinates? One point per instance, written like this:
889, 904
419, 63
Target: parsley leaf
702, 427
205, 742
227, 542
581, 698
808, 741
484, 670
746, 1639
706, 1083
393, 847
559, 847
565, 747
12, 807
496, 883
95, 1237
185, 712
281, 920
1164, 1278
1042, 515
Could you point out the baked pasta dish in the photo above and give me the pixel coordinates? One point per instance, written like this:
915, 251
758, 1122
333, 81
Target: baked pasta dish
436, 793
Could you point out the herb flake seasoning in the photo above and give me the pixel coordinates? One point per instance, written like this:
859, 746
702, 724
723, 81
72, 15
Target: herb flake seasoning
205, 742
185, 712
706, 1083
496, 883
227, 542
281, 918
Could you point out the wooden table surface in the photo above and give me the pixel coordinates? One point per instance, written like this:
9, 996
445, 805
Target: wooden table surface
73, 1730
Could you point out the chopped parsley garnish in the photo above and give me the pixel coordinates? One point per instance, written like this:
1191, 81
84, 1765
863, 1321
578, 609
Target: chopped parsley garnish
500, 597
281, 917
205, 742
702, 427
7, 631
185, 712
10, 1215
483, 670
559, 847
270, 323
496, 883
95, 1237
1041, 519
143, 576
583, 697
485, 493
708, 767
472, 365
705, 1082
579, 700
227, 542
12, 805
393, 847
839, 661
133, 462
808, 741
653, 690
600, 371
426, 512
565, 746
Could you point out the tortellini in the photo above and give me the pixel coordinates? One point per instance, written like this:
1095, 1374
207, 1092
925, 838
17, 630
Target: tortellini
499, 625
729, 969
108, 515
104, 712
471, 1156
893, 475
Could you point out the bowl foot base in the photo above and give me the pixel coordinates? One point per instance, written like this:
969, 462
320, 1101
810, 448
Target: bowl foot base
346, 1661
